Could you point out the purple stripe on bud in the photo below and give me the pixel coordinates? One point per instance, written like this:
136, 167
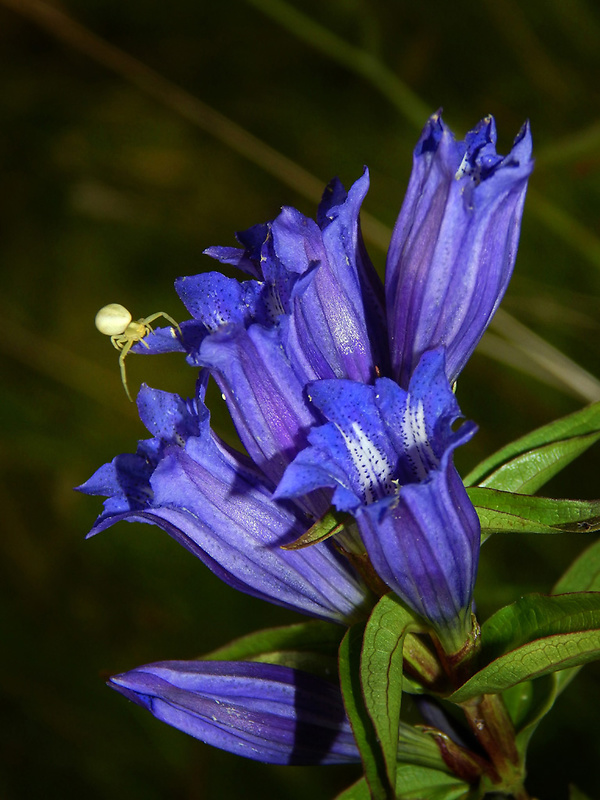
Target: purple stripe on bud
265, 712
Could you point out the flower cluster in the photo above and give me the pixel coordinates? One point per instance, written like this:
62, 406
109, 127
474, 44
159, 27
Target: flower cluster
340, 389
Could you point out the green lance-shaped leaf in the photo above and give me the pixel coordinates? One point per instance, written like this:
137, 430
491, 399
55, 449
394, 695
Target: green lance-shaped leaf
527, 704
506, 512
377, 781
330, 524
370, 666
584, 573
420, 749
529, 462
415, 783
530, 701
310, 646
582, 576
358, 791
381, 673
532, 637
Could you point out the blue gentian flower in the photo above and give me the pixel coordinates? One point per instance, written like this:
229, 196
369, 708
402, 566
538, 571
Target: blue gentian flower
387, 453
322, 289
454, 244
265, 712
217, 504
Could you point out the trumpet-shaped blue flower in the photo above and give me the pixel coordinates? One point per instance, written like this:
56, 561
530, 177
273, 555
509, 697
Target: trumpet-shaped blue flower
322, 290
387, 453
216, 504
454, 244
265, 712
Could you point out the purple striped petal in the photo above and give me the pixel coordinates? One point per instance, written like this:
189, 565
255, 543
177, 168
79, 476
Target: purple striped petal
327, 290
264, 394
337, 324
242, 346
265, 712
218, 506
454, 244
425, 545
388, 455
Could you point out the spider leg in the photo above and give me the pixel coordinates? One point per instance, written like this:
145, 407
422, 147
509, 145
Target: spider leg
158, 314
124, 351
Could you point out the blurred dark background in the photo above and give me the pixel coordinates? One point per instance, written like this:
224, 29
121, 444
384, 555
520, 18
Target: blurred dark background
112, 185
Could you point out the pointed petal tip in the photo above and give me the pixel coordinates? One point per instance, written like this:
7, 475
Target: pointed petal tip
360, 187
134, 690
134, 680
487, 126
431, 135
523, 145
335, 195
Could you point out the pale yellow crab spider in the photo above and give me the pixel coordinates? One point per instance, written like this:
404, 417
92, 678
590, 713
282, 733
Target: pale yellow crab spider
115, 321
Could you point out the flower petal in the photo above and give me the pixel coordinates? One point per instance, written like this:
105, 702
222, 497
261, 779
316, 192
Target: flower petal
264, 394
378, 437
425, 546
337, 325
388, 454
217, 504
242, 347
454, 244
266, 712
